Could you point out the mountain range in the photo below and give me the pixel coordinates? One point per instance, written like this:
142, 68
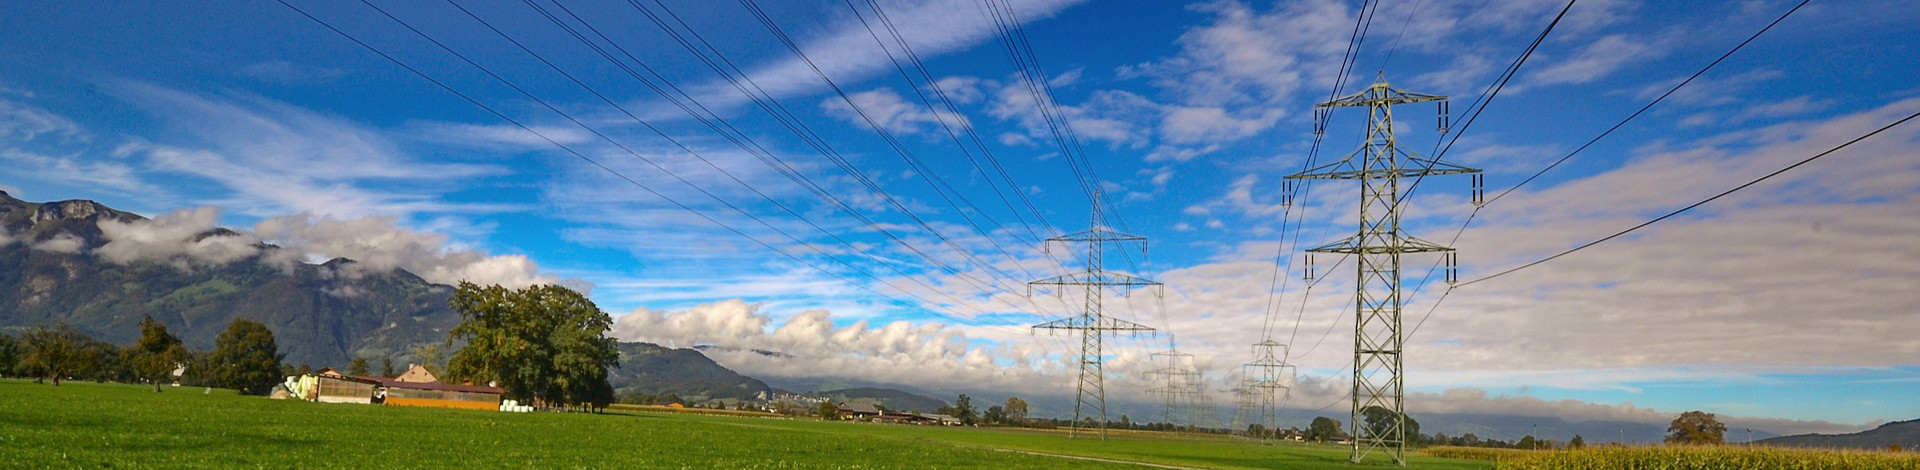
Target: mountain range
1905, 434
321, 314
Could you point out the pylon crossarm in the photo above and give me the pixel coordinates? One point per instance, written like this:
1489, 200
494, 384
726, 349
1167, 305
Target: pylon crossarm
1098, 234
1103, 278
1379, 95
1343, 246
1436, 168
1319, 172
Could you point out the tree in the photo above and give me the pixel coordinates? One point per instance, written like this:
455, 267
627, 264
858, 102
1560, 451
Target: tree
1577, 442
543, 342
1696, 428
995, 414
156, 354
1527, 442
386, 367
963, 409
245, 358
429, 357
1380, 423
1324, 429
827, 410
9, 354
51, 353
357, 367
1016, 410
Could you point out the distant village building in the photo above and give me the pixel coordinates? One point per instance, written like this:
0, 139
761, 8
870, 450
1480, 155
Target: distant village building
416, 374
859, 411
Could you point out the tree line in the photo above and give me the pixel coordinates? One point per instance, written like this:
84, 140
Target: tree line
543, 344
244, 357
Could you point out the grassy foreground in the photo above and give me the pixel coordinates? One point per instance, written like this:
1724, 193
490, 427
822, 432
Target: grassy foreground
84, 425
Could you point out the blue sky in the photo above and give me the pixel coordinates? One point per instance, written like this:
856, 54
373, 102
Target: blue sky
1188, 113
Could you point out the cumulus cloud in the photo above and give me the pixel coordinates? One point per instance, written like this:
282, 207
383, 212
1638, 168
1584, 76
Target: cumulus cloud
187, 235
810, 345
377, 243
191, 237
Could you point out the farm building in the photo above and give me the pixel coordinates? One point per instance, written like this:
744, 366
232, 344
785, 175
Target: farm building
337, 388
439, 395
860, 411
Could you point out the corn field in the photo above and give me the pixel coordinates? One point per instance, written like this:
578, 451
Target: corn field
1704, 458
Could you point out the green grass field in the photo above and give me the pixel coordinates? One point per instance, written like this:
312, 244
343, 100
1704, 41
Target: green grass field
85, 425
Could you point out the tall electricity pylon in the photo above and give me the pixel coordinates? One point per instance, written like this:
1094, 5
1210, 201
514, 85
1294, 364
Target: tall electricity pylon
1179, 385
1380, 164
1092, 323
1269, 378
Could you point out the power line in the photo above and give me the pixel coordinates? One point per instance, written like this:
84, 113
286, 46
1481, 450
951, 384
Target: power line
746, 143
1696, 204
578, 154
927, 76
924, 172
1623, 122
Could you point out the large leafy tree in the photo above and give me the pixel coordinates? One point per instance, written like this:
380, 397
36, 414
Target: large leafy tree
543, 342
52, 353
1380, 422
245, 358
1324, 429
1696, 428
156, 354
1017, 410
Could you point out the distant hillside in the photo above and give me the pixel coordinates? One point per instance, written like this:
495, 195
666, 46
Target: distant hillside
322, 315
651, 369
1906, 434
888, 398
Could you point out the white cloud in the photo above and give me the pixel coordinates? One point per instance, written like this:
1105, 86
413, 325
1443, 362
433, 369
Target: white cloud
187, 236
1598, 59
1191, 124
377, 243
845, 50
890, 111
1246, 57
192, 237
928, 355
80, 172
62, 242
505, 136
21, 122
278, 158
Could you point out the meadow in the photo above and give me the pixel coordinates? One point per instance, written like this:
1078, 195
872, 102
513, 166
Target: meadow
87, 425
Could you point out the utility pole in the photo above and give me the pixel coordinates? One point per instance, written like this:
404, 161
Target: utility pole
1379, 165
1092, 323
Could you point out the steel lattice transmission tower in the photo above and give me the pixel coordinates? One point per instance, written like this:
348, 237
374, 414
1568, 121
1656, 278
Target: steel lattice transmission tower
1379, 165
1268, 378
1092, 323
1179, 385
